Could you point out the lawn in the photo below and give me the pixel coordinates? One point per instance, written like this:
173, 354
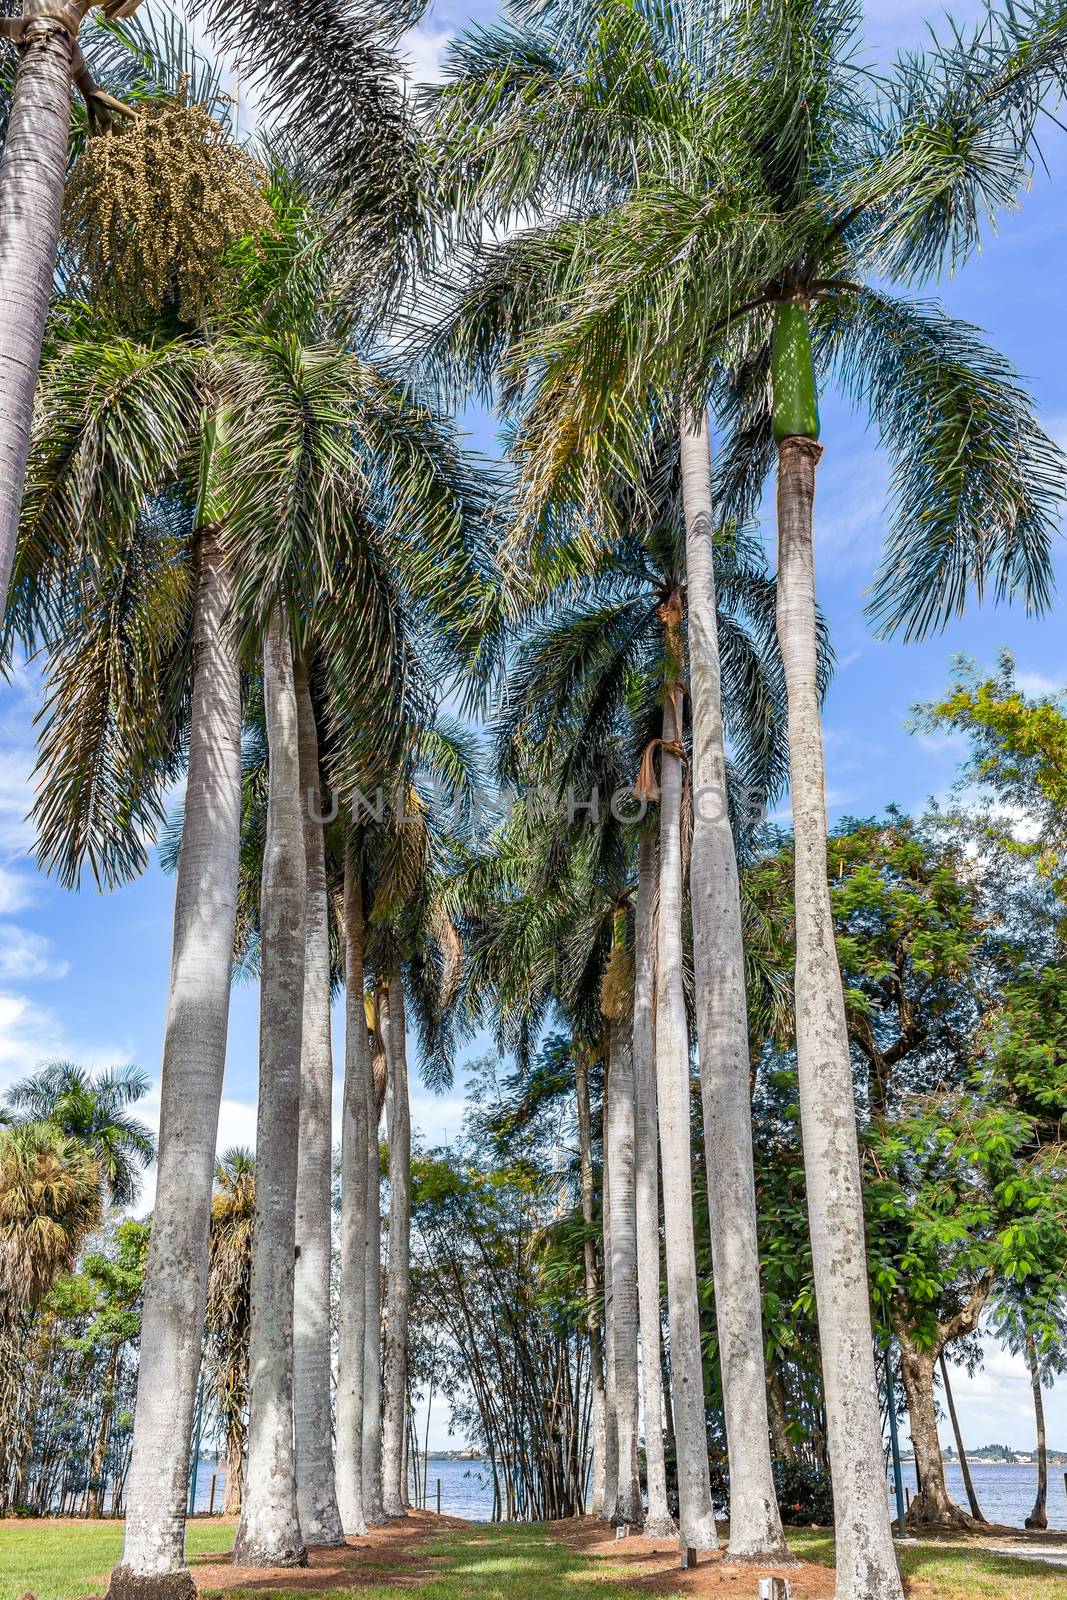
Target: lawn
60, 1561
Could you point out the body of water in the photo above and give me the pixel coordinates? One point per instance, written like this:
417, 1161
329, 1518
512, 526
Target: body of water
1005, 1494
466, 1487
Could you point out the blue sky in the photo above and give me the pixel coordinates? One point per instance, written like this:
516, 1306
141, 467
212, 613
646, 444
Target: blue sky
84, 975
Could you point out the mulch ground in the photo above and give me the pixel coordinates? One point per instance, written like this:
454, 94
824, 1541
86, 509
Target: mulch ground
393, 1556
658, 1571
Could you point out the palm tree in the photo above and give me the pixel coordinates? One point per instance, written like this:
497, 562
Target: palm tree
768, 164
269, 1533
398, 1283
93, 1110
320, 1519
588, 672
229, 1294
33, 173
50, 1198
574, 674
358, 1113
659, 1522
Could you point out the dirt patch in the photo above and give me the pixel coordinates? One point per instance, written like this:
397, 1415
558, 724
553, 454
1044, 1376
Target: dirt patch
393, 1556
654, 1566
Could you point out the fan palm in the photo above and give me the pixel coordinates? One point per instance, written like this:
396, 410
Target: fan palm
50, 1199
707, 175
92, 1109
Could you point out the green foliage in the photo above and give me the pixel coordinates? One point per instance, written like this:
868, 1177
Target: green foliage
1017, 762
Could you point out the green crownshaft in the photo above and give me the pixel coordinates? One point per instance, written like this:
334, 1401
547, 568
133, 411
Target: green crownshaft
796, 409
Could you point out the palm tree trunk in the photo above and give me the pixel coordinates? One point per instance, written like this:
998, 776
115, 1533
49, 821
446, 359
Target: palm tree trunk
373, 1506
659, 1523
722, 1032
866, 1559
628, 1507
269, 1531
611, 1425
32, 178
351, 1333
965, 1466
194, 1059
597, 1421
696, 1517
398, 1290
316, 1494
1038, 1517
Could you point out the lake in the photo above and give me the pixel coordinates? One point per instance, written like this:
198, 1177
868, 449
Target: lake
466, 1488
1006, 1494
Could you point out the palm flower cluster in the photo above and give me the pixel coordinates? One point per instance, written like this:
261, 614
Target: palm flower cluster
153, 207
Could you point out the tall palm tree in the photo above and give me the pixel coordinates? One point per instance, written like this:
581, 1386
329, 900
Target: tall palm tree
33, 173
229, 1294
358, 1113
755, 155
320, 1519
269, 1533
92, 1108
588, 674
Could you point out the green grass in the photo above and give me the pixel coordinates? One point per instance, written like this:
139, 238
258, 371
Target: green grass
937, 1571
60, 1562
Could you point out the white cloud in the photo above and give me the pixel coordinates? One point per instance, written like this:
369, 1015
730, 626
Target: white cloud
27, 955
424, 48
1036, 685
30, 1034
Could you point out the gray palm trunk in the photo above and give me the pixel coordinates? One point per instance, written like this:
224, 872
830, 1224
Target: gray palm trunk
356, 1101
398, 1288
658, 1523
373, 1505
866, 1560
268, 1534
316, 1494
194, 1058
696, 1516
628, 1509
722, 1036
592, 1288
611, 1424
32, 177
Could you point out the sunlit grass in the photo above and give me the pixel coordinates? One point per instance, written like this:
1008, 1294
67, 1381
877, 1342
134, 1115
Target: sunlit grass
59, 1560
62, 1561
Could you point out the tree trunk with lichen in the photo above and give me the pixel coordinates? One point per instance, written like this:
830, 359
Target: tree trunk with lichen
866, 1559
696, 1516
269, 1531
659, 1523
628, 1507
316, 1493
398, 1286
355, 1159
722, 1029
194, 1059
32, 177
592, 1288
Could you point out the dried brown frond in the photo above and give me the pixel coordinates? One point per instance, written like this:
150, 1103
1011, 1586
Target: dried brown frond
152, 208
